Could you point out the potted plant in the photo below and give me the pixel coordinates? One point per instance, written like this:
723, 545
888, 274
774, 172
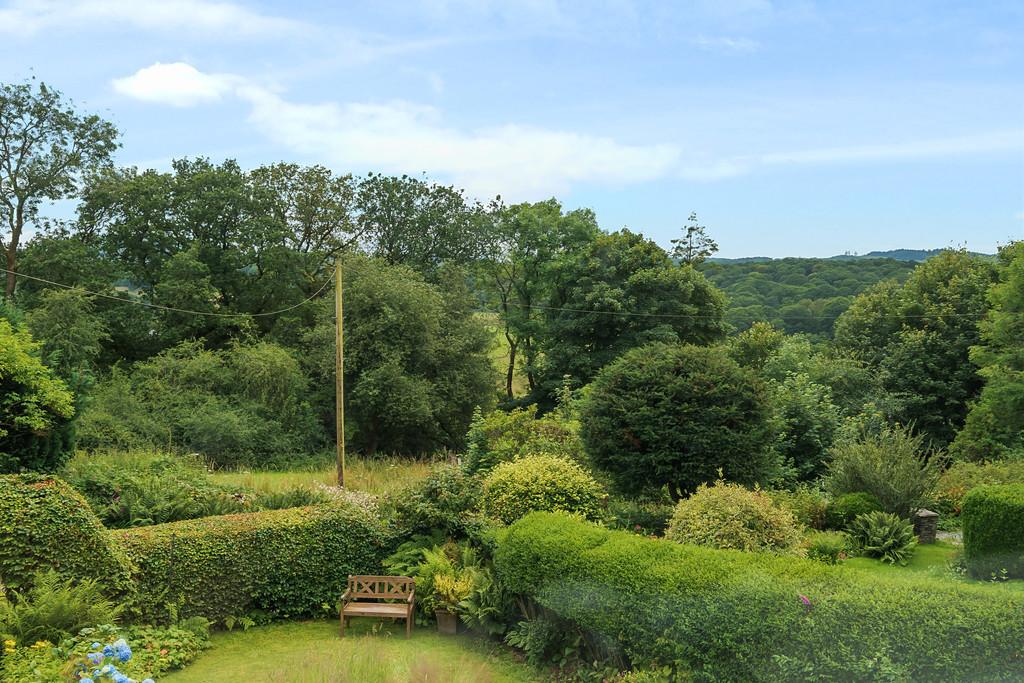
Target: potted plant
449, 591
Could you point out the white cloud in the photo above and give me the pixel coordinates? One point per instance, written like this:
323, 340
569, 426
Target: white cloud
177, 84
726, 44
226, 19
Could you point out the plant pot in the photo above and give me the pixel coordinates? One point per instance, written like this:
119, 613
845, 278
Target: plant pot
447, 622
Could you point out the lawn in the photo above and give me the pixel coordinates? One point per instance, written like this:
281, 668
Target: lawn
378, 476
933, 559
312, 651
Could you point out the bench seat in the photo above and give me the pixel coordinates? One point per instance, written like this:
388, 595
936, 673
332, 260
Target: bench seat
388, 597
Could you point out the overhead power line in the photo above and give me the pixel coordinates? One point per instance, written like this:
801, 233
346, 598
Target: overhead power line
173, 309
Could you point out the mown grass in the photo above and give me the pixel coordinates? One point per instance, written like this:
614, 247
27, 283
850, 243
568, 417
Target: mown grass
935, 560
312, 651
378, 476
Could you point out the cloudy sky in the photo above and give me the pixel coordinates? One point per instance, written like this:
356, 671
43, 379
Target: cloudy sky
791, 128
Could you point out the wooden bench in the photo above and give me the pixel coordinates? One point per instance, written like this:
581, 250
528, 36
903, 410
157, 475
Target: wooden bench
393, 597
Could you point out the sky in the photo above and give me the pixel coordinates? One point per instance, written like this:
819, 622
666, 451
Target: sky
791, 128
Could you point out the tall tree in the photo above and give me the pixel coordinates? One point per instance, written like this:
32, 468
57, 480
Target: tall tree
695, 245
45, 148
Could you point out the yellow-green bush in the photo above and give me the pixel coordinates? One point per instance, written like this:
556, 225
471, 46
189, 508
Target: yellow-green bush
282, 562
540, 482
722, 615
961, 477
730, 516
46, 524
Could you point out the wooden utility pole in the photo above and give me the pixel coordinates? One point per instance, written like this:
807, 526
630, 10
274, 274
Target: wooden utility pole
339, 374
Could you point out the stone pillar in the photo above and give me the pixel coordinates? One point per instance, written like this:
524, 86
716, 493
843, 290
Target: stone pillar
926, 523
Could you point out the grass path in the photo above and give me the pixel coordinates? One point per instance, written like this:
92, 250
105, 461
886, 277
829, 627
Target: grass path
312, 651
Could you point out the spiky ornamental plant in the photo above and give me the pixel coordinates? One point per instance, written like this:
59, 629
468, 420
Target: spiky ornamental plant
885, 536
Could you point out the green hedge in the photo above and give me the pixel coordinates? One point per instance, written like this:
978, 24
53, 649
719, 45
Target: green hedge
730, 616
281, 563
993, 523
44, 524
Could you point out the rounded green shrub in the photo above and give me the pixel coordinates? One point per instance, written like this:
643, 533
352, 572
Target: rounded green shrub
46, 524
883, 535
993, 524
830, 547
675, 415
730, 516
847, 507
540, 483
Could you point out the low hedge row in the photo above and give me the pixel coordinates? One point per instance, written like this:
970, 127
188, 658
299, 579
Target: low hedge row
283, 563
46, 524
726, 616
993, 524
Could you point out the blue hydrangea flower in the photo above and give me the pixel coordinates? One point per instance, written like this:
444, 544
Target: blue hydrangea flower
108, 651
148, 680
85, 680
96, 646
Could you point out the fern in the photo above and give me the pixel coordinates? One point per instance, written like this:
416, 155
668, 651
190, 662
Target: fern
885, 536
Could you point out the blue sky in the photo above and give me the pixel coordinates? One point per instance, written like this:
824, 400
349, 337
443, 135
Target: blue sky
791, 128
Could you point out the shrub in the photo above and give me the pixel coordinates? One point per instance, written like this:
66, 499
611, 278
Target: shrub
648, 517
961, 477
55, 608
807, 504
282, 562
829, 547
848, 507
892, 465
540, 482
505, 436
729, 516
993, 522
733, 616
675, 415
883, 535
445, 499
45, 524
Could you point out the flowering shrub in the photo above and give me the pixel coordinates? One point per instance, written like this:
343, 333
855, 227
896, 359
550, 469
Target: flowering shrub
102, 663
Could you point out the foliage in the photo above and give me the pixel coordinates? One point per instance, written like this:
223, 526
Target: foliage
993, 522
730, 516
847, 507
962, 476
754, 346
798, 295
446, 499
35, 407
505, 436
893, 466
647, 517
728, 615
677, 415
805, 421
917, 337
245, 404
416, 359
695, 245
282, 562
70, 331
995, 423
55, 608
830, 547
540, 482
45, 524
616, 273
46, 148
883, 535
809, 505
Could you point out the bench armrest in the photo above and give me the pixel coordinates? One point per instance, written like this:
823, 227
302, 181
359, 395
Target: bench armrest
345, 597
411, 598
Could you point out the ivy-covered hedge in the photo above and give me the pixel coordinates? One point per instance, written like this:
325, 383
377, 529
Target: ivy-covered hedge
993, 522
729, 616
46, 524
281, 563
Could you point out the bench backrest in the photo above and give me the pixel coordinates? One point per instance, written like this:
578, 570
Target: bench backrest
398, 587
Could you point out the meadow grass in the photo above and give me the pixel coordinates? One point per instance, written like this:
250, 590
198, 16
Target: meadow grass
312, 651
378, 476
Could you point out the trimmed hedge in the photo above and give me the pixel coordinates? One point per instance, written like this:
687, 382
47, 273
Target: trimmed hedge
993, 523
282, 563
46, 524
729, 616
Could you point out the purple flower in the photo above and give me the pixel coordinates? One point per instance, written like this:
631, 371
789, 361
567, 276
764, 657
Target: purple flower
806, 602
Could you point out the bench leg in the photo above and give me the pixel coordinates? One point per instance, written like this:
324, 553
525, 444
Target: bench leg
342, 624
408, 626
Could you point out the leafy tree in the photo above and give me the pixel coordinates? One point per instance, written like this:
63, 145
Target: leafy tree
695, 245
995, 423
917, 338
72, 334
675, 415
35, 407
620, 292
528, 241
753, 347
45, 146
806, 421
416, 361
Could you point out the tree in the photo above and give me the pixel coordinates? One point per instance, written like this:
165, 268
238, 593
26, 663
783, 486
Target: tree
72, 334
35, 407
677, 415
695, 245
805, 421
995, 423
45, 147
528, 242
620, 292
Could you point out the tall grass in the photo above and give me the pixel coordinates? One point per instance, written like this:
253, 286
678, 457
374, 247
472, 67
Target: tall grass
378, 476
